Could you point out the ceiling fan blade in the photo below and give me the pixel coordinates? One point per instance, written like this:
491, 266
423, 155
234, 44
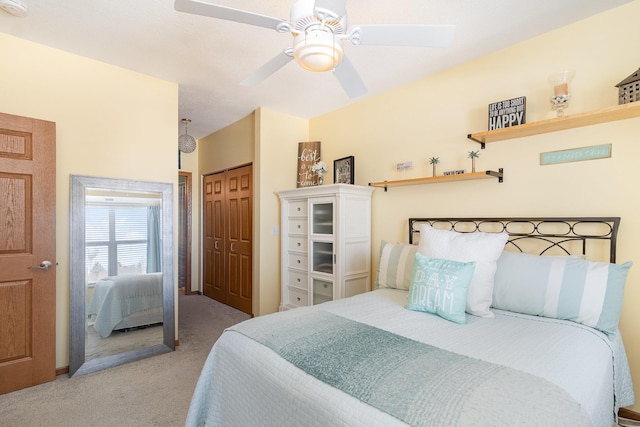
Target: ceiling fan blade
227, 13
262, 73
350, 79
336, 6
406, 35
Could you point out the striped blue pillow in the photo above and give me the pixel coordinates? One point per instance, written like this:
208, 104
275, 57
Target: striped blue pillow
561, 287
395, 265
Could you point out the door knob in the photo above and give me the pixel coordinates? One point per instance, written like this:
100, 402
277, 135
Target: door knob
44, 265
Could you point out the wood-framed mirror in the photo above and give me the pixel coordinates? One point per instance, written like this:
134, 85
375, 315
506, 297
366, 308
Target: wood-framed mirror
122, 284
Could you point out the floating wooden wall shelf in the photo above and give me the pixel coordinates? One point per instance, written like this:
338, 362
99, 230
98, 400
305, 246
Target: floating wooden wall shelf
440, 178
604, 115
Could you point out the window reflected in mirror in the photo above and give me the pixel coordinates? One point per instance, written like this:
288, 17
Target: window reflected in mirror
123, 234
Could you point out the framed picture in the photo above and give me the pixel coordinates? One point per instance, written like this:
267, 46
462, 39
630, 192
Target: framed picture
343, 170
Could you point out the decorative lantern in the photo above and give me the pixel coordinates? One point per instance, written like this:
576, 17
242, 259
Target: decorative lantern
629, 89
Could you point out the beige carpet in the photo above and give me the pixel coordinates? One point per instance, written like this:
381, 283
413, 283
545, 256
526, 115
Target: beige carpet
150, 392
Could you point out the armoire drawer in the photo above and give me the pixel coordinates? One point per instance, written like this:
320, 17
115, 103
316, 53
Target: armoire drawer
298, 261
298, 297
298, 243
298, 280
298, 226
298, 208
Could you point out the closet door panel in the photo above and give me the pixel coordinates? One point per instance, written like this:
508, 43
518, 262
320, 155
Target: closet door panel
239, 238
214, 242
207, 249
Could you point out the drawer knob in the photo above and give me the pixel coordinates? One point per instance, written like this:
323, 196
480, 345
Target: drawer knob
299, 226
298, 298
298, 243
298, 261
298, 280
299, 209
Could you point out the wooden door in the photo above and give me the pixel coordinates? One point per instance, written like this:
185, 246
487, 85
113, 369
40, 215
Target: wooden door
27, 239
239, 208
214, 243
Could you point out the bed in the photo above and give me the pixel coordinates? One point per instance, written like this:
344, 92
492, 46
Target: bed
126, 301
368, 360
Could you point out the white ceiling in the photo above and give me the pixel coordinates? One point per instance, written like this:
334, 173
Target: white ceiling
208, 57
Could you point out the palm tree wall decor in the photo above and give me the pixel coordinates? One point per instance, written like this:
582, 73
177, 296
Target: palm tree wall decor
473, 155
434, 161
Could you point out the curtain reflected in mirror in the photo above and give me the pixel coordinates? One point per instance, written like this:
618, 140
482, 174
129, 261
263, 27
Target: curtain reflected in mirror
122, 272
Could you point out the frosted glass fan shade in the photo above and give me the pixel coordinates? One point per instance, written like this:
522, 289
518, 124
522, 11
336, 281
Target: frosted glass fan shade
186, 143
317, 50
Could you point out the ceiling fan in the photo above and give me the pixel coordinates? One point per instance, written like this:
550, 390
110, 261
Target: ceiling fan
319, 28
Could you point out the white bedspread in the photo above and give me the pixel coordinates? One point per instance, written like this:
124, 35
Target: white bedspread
115, 298
245, 383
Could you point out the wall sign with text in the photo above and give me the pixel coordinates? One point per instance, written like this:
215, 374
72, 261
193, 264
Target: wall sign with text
504, 114
308, 155
593, 152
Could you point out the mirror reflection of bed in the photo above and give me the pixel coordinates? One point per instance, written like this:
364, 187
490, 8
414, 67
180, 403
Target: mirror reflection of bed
123, 313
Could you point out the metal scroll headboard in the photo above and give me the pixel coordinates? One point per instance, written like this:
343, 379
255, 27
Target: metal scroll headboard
543, 236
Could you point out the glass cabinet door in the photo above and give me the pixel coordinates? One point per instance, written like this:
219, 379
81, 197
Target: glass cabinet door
322, 218
321, 249
322, 291
322, 257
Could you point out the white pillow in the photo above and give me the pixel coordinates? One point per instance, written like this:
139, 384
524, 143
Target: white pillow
483, 248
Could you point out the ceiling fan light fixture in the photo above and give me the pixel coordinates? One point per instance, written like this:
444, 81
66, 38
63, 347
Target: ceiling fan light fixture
318, 50
186, 143
319, 28
14, 7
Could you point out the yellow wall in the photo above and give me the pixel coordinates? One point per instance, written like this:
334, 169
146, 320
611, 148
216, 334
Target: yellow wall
432, 117
277, 139
228, 147
110, 122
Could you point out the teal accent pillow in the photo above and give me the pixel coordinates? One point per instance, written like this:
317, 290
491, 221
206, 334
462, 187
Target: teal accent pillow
395, 265
565, 288
439, 286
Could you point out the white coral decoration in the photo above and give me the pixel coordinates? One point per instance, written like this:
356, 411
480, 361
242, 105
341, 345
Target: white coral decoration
320, 168
560, 99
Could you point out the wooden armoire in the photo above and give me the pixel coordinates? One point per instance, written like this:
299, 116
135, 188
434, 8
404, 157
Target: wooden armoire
227, 236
